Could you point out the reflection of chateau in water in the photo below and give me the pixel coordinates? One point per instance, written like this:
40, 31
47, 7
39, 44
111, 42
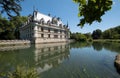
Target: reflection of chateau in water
50, 55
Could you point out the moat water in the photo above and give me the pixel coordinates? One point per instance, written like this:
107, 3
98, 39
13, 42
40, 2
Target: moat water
62, 60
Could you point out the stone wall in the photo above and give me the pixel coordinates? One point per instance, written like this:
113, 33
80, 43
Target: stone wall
14, 42
14, 47
50, 40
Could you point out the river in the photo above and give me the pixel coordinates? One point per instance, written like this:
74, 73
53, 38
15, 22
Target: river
63, 60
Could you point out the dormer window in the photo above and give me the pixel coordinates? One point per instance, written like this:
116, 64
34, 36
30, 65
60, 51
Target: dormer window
60, 25
48, 22
35, 14
54, 21
64, 26
42, 21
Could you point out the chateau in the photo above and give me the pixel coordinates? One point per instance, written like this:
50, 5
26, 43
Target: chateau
42, 28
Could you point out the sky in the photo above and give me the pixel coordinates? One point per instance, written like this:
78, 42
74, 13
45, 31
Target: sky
67, 10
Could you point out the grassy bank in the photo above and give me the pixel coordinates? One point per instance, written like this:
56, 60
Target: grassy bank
106, 40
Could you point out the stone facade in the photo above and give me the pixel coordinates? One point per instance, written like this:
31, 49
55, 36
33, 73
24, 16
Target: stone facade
41, 28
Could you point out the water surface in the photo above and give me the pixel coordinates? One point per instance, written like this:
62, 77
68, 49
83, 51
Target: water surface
63, 60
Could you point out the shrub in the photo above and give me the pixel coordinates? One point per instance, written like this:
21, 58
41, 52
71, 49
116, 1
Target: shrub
21, 72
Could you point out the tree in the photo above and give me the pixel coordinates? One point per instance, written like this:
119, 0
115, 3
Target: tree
78, 37
10, 7
6, 29
9, 29
18, 21
107, 34
97, 34
88, 35
112, 33
92, 10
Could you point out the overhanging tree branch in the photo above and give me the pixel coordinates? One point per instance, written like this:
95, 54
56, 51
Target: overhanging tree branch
92, 10
11, 7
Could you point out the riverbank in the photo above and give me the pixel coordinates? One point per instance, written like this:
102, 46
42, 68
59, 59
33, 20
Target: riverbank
106, 40
13, 42
22, 42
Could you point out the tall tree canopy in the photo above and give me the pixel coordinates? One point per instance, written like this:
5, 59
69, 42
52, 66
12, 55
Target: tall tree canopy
18, 21
112, 33
10, 7
9, 29
97, 34
6, 29
92, 10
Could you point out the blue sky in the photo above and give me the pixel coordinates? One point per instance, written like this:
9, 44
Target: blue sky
67, 10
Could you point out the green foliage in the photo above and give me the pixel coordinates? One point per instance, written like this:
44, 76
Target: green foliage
112, 33
10, 7
107, 34
80, 37
9, 29
6, 29
90, 39
92, 10
88, 36
116, 36
97, 34
21, 72
18, 21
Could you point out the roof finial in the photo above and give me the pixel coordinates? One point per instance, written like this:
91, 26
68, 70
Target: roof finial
67, 23
49, 14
